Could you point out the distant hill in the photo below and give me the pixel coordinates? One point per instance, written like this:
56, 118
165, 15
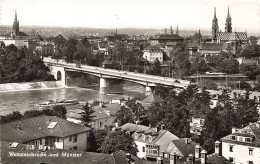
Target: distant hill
82, 31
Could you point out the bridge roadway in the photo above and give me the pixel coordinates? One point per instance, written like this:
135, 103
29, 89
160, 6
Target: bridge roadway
144, 79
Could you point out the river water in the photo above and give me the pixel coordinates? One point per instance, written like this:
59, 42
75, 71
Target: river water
25, 100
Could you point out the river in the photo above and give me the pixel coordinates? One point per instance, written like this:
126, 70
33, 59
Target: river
25, 100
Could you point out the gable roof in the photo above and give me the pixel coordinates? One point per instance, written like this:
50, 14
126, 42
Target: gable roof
232, 36
119, 157
34, 128
106, 110
252, 130
183, 147
152, 98
211, 46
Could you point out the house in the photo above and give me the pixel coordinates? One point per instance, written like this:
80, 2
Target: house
49, 131
200, 156
152, 53
206, 49
243, 145
196, 124
45, 48
166, 38
150, 99
151, 142
182, 147
104, 115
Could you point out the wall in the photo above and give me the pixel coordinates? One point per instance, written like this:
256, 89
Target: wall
241, 153
108, 121
140, 153
81, 142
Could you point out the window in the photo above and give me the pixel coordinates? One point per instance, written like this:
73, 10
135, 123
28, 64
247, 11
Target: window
75, 148
143, 148
143, 137
231, 159
70, 138
231, 148
40, 141
100, 124
251, 151
233, 137
57, 140
248, 139
75, 138
250, 162
150, 138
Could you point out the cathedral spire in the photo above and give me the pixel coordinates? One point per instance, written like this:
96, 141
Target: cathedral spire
214, 26
171, 30
228, 27
177, 30
15, 17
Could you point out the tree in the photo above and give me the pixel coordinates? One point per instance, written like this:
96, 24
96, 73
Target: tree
156, 67
16, 115
100, 135
250, 70
250, 51
87, 116
118, 140
60, 111
124, 115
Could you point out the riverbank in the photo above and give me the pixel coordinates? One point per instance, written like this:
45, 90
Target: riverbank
25, 86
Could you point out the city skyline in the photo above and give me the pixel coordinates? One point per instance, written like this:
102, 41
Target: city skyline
132, 14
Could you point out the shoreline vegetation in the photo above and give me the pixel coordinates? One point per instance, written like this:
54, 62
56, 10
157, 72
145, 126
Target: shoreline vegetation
24, 86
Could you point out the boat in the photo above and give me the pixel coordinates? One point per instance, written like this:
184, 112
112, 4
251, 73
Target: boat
50, 103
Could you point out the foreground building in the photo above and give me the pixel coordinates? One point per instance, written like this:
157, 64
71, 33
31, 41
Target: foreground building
50, 132
151, 142
243, 145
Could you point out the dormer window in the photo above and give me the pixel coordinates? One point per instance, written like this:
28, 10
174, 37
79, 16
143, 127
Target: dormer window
233, 137
247, 139
136, 135
150, 138
143, 137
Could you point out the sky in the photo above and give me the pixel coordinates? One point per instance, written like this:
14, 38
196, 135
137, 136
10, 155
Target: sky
131, 13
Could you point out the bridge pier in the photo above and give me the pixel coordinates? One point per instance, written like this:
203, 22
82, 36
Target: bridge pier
102, 85
148, 90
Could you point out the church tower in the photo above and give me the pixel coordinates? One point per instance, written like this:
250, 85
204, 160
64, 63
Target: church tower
15, 26
228, 27
214, 26
177, 30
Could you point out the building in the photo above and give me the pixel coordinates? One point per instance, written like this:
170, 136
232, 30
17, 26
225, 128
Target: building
165, 38
150, 99
182, 147
243, 145
196, 124
206, 49
50, 132
104, 115
151, 142
15, 31
152, 53
228, 35
45, 48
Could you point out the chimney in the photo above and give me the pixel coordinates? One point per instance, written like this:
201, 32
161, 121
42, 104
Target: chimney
187, 140
218, 148
116, 124
128, 158
157, 129
162, 127
101, 104
159, 160
258, 124
197, 151
192, 159
234, 129
173, 158
203, 157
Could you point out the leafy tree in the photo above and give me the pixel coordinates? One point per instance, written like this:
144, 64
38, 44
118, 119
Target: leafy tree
60, 111
100, 135
118, 140
250, 51
124, 115
156, 67
16, 115
250, 70
32, 113
87, 114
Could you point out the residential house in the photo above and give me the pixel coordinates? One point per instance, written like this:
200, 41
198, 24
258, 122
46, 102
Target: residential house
151, 142
243, 145
150, 99
196, 124
104, 115
45, 48
166, 38
152, 53
49, 131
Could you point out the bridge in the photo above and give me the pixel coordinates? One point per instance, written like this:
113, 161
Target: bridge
58, 69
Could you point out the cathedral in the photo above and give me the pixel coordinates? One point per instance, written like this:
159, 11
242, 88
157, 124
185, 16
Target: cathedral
15, 30
228, 35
